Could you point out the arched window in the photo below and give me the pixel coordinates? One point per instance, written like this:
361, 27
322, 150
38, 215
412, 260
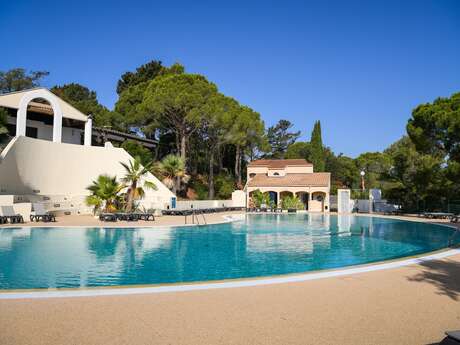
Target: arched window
276, 174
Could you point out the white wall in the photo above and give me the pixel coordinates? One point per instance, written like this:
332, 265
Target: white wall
45, 132
33, 166
199, 204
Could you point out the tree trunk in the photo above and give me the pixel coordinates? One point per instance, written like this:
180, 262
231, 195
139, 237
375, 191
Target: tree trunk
238, 165
211, 176
130, 201
183, 140
221, 153
176, 184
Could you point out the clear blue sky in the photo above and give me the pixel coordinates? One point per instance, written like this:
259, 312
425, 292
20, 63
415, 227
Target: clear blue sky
358, 66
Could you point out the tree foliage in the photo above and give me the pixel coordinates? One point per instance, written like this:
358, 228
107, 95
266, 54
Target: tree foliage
85, 100
145, 73
317, 156
279, 138
18, 79
299, 150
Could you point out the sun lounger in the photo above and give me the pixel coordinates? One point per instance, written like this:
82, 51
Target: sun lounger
144, 216
453, 337
455, 219
9, 215
130, 217
437, 215
39, 213
108, 217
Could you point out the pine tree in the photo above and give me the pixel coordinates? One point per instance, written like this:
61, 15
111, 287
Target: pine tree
317, 149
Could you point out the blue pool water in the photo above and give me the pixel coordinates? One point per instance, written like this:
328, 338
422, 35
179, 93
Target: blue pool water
260, 245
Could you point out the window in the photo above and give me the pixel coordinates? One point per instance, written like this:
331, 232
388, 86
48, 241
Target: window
276, 174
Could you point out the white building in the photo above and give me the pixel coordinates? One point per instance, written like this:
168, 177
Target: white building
46, 160
282, 177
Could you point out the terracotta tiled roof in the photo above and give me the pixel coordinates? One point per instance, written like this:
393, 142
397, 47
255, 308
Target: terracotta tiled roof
278, 163
291, 180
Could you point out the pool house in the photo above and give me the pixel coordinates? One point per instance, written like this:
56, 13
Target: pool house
283, 177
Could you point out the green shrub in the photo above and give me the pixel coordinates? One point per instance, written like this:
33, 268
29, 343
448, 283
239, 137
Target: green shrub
200, 188
290, 202
260, 198
224, 185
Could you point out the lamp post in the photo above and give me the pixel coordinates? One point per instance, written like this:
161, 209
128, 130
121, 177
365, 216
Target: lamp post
362, 173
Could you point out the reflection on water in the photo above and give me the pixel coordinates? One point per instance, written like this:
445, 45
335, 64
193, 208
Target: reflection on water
260, 245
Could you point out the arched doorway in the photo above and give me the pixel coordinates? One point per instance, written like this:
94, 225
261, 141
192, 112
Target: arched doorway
304, 197
21, 120
273, 198
317, 201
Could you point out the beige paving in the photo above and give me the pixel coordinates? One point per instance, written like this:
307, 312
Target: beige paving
86, 220
409, 305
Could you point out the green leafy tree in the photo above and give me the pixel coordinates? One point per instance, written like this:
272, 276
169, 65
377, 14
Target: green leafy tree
177, 102
145, 73
131, 88
18, 79
414, 177
225, 185
343, 169
86, 101
104, 193
279, 137
218, 116
247, 134
435, 127
135, 174
317, 156
172, 169
375, 165
299, 150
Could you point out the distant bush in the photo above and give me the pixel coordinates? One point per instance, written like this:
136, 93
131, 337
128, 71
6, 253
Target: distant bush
290, 202
200, 188
225, 185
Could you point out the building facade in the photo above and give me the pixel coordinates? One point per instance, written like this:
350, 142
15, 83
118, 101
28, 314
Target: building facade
51, 158
283, 177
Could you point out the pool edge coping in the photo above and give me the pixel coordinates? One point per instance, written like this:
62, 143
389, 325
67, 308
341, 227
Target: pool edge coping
234, 283
226, 284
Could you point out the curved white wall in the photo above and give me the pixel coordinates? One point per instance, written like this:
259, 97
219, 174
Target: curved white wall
34, 166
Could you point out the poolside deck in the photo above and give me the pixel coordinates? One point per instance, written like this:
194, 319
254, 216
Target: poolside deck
407, 305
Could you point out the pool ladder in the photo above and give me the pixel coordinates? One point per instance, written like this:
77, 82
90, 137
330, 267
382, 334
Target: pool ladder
195, 217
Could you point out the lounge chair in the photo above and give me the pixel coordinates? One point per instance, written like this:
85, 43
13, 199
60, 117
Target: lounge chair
130, 217
108, 217
144, 216
39, 213
453, 337
455, 218
9, 215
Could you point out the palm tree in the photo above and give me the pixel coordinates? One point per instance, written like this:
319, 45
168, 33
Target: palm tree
104, 192
135, 171
172, 168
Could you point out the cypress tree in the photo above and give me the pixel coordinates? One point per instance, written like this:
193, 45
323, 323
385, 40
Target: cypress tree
317, 149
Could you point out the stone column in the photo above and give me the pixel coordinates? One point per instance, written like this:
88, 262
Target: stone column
88, 131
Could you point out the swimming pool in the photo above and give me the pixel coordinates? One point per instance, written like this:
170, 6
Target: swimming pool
257, 246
